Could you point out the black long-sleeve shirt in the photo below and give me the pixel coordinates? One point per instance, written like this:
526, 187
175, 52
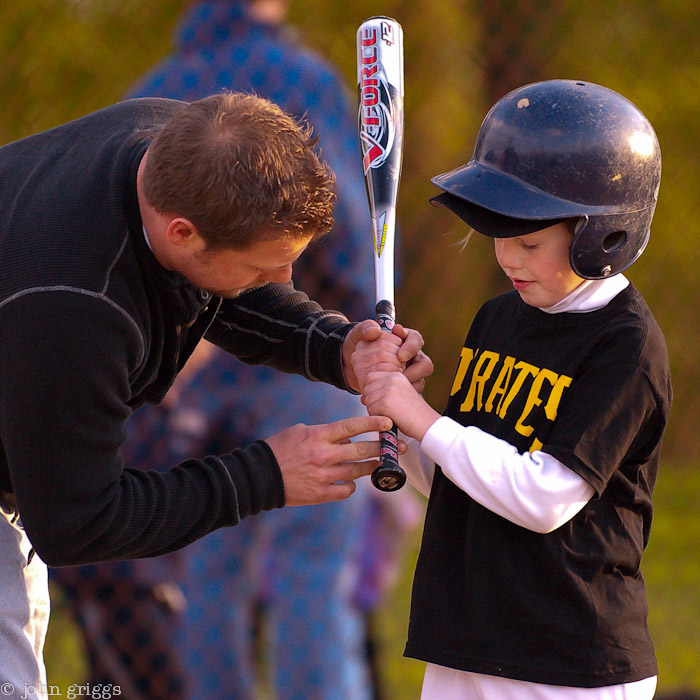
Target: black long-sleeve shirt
91, 327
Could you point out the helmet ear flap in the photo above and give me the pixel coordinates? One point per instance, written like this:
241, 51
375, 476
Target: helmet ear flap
577, 227
606, 245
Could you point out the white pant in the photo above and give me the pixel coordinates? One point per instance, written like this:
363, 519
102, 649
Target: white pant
442, 683
24, 613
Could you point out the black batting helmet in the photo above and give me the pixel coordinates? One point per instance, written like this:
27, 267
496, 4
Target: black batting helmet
562, 150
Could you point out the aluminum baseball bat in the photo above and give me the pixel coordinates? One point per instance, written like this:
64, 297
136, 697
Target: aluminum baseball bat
380, 126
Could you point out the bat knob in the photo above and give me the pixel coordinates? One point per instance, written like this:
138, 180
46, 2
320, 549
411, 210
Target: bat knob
388, 477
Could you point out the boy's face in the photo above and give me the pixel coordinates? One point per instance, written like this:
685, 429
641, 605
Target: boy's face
538, 265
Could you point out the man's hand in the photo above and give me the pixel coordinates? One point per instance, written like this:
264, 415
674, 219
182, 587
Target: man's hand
408, 355
319, 463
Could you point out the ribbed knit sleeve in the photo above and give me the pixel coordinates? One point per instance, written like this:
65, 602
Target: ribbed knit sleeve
65, 392
279, 326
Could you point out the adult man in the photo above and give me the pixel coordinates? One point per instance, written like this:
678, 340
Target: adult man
126, 236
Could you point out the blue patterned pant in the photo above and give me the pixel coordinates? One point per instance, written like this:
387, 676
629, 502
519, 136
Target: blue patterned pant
300, 562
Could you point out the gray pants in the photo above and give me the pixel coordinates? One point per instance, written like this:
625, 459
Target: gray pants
24, 613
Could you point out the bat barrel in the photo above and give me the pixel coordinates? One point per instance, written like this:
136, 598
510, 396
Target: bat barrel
380, 125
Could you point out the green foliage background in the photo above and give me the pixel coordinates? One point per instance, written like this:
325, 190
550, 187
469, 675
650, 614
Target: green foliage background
64, 58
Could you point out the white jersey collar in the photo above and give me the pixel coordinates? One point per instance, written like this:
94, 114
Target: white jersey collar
590, 295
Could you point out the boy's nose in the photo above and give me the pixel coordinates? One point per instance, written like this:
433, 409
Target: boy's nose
506, 253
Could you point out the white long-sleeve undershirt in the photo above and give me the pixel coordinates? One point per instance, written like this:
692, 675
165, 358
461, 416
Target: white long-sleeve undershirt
533, 490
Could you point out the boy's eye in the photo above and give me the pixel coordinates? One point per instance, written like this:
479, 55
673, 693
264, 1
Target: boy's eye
529, 246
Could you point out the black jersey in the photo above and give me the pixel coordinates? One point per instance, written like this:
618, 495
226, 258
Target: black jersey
567, 607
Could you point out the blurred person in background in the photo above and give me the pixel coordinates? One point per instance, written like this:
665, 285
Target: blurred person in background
304, 563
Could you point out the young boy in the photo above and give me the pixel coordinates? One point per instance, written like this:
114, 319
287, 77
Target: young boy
540, 472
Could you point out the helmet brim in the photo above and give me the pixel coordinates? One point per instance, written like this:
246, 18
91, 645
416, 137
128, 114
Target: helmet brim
493, 202
489, 222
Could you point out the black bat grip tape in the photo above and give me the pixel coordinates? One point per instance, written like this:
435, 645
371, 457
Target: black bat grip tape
388, 476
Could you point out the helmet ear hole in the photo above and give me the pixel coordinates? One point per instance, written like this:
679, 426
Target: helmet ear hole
614, 241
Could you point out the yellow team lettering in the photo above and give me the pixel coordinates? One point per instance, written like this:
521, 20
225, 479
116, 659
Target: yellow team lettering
533, 399
525, 370
465, 359
500, 386
480, 376
511, 380
552, 406
536, 445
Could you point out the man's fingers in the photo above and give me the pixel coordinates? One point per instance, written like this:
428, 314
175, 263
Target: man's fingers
412, 343
371, 330
320, 462
419, 385
368, 331
399, 330
350, 471
357, 450
351, 427
343, 481
420, 368
340, 491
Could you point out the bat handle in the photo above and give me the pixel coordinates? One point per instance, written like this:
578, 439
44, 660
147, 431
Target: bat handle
388, 476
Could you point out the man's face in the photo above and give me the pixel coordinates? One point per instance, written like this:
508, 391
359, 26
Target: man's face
227, 273
538, 265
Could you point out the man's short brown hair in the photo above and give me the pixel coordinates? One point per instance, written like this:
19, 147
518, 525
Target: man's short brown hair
241, 170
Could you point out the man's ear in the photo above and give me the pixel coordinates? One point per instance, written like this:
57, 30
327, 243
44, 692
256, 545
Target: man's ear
183, 234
